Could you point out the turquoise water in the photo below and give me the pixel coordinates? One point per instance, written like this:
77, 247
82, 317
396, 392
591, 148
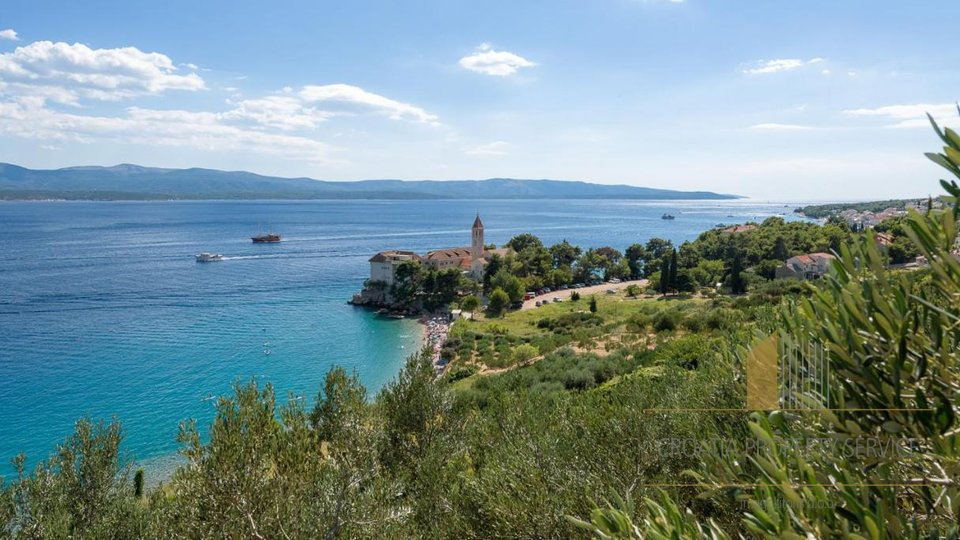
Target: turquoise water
104, 312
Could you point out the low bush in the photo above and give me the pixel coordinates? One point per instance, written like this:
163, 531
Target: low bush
688, 352
666, 321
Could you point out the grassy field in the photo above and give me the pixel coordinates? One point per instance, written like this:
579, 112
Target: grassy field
497, 343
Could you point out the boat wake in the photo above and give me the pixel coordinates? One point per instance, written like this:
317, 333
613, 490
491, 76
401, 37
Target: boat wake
251, 257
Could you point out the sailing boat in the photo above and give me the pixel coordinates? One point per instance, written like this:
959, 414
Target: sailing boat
268, 238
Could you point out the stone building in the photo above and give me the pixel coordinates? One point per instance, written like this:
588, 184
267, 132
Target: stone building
470, 259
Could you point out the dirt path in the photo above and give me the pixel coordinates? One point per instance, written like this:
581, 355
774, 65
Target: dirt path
584, 292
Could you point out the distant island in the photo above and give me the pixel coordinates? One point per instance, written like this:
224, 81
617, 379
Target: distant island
133, 182
821, 211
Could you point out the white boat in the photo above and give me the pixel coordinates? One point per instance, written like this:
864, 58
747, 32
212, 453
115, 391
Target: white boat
209, 257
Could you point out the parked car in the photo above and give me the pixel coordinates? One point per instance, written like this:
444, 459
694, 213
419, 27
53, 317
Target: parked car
539, 303
614, 280
557, 299
546, 289
516, 305
611, 291
579, 285
529, 295
562, 288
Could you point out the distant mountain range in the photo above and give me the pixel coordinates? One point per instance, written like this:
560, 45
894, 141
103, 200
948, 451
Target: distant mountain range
133, 182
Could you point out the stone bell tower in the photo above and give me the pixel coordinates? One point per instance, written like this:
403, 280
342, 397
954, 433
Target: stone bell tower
476, 249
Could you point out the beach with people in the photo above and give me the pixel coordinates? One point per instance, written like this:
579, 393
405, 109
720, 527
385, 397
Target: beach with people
437, 328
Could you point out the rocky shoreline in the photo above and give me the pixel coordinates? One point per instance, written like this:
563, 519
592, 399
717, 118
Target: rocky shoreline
373, 299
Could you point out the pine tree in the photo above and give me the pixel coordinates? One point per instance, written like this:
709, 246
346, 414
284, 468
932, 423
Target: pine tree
737, 285
673, 270
780, 251
665, 275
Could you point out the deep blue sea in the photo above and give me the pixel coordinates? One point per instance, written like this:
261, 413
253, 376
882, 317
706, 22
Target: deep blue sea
105, 313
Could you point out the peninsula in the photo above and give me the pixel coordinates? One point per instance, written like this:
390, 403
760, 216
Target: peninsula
133, 182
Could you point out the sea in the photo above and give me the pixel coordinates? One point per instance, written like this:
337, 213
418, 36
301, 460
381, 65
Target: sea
104, 312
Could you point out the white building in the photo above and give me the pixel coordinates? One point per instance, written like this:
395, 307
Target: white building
812, 266
383, 265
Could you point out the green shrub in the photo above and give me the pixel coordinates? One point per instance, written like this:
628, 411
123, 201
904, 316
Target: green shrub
665, 321
524, 352
688, 352
460, 372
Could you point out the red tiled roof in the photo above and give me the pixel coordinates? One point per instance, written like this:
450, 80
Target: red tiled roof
812, 258
448, 253
740, 228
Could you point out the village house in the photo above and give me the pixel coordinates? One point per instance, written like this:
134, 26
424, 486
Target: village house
811, 266
470, 259
859, 221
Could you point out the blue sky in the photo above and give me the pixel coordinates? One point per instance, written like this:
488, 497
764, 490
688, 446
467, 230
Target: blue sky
806, 100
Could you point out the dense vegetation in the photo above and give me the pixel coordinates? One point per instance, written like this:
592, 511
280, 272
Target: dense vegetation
623, 421
737, 261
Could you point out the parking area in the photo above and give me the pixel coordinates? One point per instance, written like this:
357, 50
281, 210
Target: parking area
564, 295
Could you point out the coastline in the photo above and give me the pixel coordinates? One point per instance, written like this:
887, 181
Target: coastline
307, 331
436, 329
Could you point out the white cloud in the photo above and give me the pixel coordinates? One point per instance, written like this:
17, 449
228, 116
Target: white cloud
353, 96
9, 34
773, 126
496, 148
908, 116
273, 124
488, 61
64, 72
282, 112
781, 64
31, 118
39, 79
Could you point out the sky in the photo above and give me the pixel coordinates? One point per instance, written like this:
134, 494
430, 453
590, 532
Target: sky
812, 100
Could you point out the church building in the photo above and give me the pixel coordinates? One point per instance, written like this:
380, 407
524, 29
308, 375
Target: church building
470, 259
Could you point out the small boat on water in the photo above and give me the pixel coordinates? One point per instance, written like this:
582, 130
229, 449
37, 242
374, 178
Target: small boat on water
209, 257
268, 238
667, 216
